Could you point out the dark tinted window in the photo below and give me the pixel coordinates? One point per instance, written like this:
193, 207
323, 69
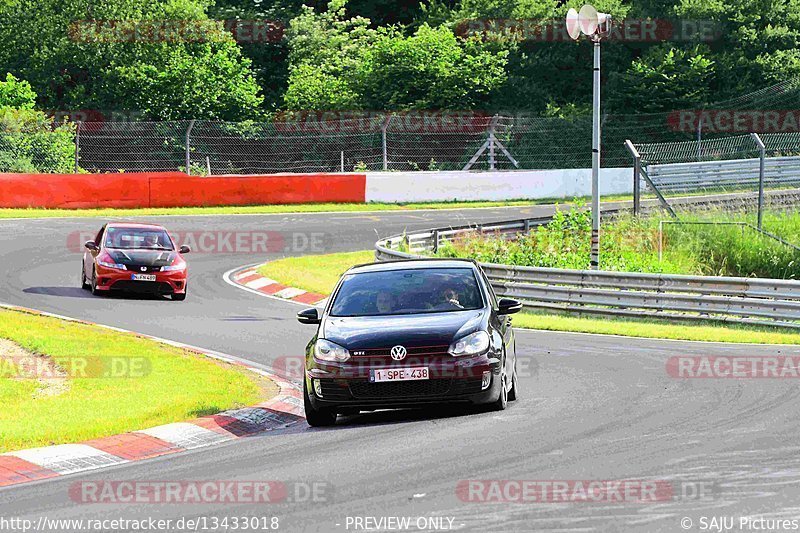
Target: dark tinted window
403, 292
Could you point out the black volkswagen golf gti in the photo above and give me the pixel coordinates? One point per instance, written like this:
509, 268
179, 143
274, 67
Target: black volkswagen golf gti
409, 334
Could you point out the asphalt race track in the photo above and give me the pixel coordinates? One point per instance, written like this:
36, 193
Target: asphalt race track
591, 407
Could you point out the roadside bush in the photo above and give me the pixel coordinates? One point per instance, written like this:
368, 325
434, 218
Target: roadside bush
629, 244
31, 142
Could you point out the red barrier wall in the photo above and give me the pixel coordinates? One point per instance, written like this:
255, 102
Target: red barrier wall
175, 189
254, 190
76, 190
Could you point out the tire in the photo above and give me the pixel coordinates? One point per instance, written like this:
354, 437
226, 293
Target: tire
94, 284
512, 394
317, 417
179, 297
502, 400
84, 283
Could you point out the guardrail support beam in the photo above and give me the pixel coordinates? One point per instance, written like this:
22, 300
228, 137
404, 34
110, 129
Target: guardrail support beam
637, 176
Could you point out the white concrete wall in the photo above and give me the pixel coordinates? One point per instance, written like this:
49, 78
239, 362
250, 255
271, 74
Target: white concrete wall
497, 185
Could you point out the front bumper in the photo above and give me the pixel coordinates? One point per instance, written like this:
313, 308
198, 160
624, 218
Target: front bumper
451, 381
121, 280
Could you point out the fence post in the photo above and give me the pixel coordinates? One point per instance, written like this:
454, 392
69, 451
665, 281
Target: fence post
700, 138
492, 126
188, 148
637, 172
384, 128
77, 144
762, 155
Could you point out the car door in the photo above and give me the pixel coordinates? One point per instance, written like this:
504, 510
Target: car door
504, 328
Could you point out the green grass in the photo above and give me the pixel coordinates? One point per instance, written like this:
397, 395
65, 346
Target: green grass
319, 274
315, 273
272, 209
180, 385
657, 329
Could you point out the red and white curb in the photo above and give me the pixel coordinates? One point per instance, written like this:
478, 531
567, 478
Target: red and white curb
282, 411
249, 279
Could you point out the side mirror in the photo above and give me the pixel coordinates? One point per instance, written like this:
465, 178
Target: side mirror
508, 306
185, 249
309, 316
90, 245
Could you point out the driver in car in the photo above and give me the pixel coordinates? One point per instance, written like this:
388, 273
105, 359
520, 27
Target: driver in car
450, 298
151, 241
384, 302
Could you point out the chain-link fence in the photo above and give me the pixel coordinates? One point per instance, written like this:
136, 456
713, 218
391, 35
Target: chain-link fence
336, 141
739, 192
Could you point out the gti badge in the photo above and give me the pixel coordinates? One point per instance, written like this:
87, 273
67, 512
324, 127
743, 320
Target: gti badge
398, 353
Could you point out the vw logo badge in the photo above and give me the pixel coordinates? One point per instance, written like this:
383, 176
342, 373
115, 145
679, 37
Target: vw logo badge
398, 353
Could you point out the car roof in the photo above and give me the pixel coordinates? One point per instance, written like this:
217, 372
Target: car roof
133, 225
412, 264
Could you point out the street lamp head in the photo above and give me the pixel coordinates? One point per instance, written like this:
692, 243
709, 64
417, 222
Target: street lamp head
589, 22
573, 27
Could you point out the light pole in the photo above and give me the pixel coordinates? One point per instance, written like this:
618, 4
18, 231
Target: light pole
595, 26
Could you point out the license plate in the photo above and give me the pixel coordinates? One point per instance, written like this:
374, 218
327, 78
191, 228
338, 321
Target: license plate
399, 374
143, 277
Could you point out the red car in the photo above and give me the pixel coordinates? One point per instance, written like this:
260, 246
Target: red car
139, 258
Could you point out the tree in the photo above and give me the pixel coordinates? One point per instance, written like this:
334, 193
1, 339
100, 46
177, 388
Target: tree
325, 50
342, 63
432, 69
16, 94
29, 140
163, 59
664, 79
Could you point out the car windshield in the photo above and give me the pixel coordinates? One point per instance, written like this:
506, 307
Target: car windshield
138, 238
406, 292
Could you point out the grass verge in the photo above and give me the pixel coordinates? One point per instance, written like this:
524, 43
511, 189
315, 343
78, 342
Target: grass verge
657, 329
315, 273
319, 273
275, 209
157, 384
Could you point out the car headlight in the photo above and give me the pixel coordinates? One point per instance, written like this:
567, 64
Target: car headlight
107, 264
173, 268
472, 344
330, 351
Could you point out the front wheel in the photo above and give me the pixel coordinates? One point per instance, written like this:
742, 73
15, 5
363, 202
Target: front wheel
94, 283
317, 417
84, 283
502, 400
512, 394
179, 297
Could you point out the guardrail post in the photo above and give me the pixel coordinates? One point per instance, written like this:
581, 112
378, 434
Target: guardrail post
637, 175
435, 241
189, 148
77, 144
762, 155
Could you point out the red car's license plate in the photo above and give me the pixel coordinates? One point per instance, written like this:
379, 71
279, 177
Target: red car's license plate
143, 277
399, 374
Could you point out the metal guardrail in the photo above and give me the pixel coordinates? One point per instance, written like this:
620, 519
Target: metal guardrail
682, 177
743, 300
